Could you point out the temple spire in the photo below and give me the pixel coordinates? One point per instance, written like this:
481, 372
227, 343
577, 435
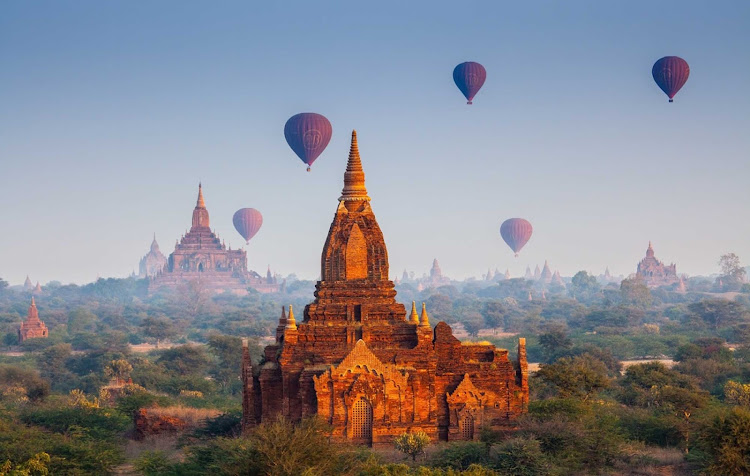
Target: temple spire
201, 203
354, 177
291, 324
424, 320
414, 317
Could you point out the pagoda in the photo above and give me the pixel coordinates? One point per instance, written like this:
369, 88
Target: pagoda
154, 261
32, 327
363, 364
655, 273
201, 256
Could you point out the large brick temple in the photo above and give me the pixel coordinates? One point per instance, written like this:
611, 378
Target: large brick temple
364, 365
200, 256
655, 273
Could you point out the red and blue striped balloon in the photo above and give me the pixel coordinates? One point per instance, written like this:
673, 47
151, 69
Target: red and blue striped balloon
516, 232
308, 134
469, 77
670, 73
247, 222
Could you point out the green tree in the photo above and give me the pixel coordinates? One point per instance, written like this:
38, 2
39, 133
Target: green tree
119, 369
719, 313
579, 377
227, 368
412, 444
583, 287
158, 328
555, 341
726, 440
737, 393
494, 314
634, 292
733, 274
184, 360
472, 322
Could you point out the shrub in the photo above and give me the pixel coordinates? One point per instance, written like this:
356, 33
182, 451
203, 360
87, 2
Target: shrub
412, 444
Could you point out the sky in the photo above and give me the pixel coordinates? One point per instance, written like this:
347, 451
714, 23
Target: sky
112, 112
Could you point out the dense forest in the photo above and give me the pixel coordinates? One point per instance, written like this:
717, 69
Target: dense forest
630, 380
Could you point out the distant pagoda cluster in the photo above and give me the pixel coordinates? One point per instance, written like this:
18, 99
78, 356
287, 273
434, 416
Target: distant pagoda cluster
32, 327
655, 273
201, 256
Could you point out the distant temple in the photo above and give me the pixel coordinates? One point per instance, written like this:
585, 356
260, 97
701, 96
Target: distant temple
546, 275
28, 285
654, 272
201, 256
32, 327
436, 277
363, 365
153, 262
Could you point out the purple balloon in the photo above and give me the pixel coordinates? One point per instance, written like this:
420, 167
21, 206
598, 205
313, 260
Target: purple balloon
247, 222
670, 74
308, 134
516, 233
469, 77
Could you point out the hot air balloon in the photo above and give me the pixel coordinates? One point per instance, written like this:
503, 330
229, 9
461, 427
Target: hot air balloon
308, 135
516, 232
469, 77
670, 73
247, 222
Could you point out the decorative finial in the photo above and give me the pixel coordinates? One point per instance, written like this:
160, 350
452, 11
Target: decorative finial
414, 317
33, 304
291, 324
201, 203
354, 177
424, 319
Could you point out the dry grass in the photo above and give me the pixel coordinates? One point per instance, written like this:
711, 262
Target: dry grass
191, 416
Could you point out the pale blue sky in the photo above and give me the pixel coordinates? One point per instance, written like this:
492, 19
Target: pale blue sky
111, 112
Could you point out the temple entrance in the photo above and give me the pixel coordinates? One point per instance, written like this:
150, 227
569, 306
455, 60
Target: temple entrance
362, 421
466, 427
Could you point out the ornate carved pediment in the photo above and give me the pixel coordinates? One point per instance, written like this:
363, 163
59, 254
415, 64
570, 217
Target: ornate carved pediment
467, 393
361, 360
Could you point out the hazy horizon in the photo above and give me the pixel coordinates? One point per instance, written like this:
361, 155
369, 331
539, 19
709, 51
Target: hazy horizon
113, 112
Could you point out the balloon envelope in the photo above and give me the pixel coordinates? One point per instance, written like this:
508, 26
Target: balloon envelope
469, 77
670, 73
516, 233
308, 134
247, 222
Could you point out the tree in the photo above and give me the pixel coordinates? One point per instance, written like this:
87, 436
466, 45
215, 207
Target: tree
412, 444
555, 341
737, 393
583, 287
158, 328
579, 377
473, 323
634, 292
119, 370
731, 270
718, 313
727, 443
440, 308
185, 359
226, 349
494, 314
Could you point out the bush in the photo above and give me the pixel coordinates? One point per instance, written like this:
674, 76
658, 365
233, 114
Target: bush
519, 457
460, 456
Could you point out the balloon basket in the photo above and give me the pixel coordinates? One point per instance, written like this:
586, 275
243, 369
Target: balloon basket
308, 169
469, 102
671, 100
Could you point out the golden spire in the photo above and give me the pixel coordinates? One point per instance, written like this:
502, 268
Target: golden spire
291, 324
201, 203
424, 320
414, 317
354, 177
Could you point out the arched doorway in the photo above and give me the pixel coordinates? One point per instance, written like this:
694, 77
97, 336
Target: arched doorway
466, 427
362, 421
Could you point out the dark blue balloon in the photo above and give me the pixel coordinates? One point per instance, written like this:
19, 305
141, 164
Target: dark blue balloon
308, 134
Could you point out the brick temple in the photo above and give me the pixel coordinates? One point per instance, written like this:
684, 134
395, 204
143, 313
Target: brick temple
365, 366
32, 327
201, 256
654, 272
